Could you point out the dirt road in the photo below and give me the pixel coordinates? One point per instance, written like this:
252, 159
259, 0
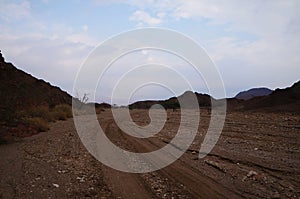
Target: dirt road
257, 156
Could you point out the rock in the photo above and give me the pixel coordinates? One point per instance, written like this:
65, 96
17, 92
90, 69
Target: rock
81, 179
244, 178
215, 165
251, 174
55, 185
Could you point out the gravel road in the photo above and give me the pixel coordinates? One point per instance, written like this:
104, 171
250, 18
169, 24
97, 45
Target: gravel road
257, 156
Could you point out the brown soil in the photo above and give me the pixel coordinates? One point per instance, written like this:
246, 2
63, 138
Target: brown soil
257, 156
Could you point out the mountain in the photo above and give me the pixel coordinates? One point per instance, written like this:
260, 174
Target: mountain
283, 100
254, 92
287, 100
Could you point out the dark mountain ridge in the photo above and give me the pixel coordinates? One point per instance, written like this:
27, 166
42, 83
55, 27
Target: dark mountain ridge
204, 100
283, 100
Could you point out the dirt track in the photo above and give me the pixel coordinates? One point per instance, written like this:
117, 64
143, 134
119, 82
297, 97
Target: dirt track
257, 156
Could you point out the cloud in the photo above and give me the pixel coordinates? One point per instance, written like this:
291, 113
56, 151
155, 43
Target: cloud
143, 18
15, 11
263, 62
52, 51
85, 28
263, 46
82, 38
264, 18
49, 51
252, 42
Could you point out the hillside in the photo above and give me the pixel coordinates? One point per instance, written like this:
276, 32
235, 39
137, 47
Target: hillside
20, 90
27, 103
254, 92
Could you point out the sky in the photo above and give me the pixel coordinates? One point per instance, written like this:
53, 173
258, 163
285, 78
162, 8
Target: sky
252, 43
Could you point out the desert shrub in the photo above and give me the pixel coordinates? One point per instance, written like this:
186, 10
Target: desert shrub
58, 115
66, 109
39, 112
61, 112
33, 118
40, 123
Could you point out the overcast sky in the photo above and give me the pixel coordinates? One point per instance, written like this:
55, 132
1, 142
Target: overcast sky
253, 43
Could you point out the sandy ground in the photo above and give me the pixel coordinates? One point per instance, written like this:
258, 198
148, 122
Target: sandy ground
257, 156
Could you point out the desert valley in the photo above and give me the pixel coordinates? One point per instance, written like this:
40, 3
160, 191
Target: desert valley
257, 155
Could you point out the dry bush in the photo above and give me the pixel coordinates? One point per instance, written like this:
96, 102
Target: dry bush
39, 117
39, 112
40, 123
58, 115
66, 109
61, 112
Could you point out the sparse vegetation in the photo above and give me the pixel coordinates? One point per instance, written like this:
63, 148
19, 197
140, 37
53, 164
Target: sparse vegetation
40, 112
58, 115
41, 124
61, 112
64, 108
39, 117
25, 97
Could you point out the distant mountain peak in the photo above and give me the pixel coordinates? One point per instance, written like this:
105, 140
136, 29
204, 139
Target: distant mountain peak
254, 92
